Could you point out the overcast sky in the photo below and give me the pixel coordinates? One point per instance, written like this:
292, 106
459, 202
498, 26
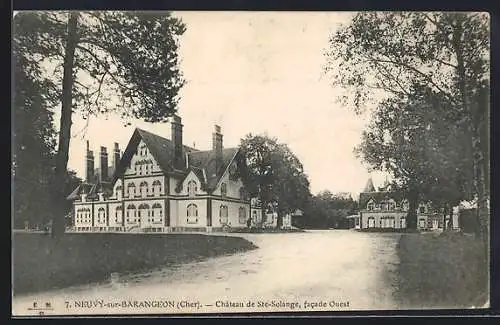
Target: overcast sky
255, 72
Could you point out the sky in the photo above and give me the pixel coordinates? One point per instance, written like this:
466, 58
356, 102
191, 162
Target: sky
254, 72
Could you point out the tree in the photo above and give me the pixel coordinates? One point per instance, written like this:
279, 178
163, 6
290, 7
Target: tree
33, 139
446, 52
328, 210
274, 174
413, 141
98, 56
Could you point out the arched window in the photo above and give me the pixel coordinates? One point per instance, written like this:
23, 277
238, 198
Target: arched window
101, 215
157, 188
131, 214
144, 189
370, 206
131, 189
223, 215
144, 212
192, 188
242, 215
157, 213
118, 214
192, 213
223, 189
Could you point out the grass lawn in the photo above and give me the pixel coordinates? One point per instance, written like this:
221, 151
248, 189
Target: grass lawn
39, 263
442, 271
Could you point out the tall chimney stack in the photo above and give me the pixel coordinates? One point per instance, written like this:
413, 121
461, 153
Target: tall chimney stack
177, 140
89, 161
217, 148
116, 156
104, 164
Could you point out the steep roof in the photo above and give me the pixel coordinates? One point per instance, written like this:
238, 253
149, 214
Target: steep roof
161, 148
205, 160
378, 197
202, 163
92, 190
369, 186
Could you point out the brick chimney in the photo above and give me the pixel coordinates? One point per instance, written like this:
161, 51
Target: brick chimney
217, 148
104, 164
116, 156
177, 140
89, 165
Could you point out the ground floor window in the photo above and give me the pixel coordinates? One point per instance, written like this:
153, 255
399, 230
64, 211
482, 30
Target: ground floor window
402, 222
223, 215
192, 213
421, 223
371, 222
242, 215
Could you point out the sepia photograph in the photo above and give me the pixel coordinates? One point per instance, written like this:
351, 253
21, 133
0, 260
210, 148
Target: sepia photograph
246, 162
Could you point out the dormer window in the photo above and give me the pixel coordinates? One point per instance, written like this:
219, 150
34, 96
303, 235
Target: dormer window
192, 188
370, 206
391, 205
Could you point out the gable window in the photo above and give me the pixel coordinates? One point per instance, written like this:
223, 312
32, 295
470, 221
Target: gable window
131, 189
192, 213
223, 215
243, 193
192, 188
391, 205
421, 209
118, 192
223, 189
242, 215
404, 205
144, 189
370, 206
157, 187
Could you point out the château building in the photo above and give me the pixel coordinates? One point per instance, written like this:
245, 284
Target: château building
388, 209
162, 185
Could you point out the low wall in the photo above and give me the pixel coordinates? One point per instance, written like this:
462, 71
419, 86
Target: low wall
41, 263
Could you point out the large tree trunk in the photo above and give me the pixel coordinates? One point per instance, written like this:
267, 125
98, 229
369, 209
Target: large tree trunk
475, 113
411, 218
58, 189
445, 214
